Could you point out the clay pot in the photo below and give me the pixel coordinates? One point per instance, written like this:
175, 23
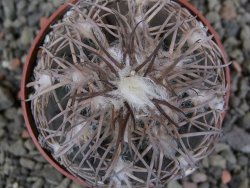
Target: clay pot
31, 61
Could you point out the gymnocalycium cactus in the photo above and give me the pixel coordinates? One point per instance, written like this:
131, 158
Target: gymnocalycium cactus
128, 93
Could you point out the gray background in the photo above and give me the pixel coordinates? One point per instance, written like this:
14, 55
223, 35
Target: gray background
22, 166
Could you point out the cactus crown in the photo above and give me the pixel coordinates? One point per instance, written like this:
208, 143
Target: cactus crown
128, 93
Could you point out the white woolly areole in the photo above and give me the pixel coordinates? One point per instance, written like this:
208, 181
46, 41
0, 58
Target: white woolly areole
69, 13
215, 102
120, 173
196, 36
101, 102
189, 171
201, 25
77, 76
116, 52
55, 147
164, 142
44, 81
184, 164
47, 39
139, 91
125, 72
80, 131
168, 144
85, 29
201, 97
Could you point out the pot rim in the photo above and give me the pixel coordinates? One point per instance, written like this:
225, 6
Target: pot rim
26, 111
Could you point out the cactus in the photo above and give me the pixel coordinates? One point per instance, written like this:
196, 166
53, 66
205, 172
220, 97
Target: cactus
128, 93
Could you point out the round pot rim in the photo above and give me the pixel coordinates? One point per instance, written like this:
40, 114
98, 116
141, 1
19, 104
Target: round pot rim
31, 59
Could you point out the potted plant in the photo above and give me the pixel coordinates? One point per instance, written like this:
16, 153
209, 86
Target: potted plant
125, 93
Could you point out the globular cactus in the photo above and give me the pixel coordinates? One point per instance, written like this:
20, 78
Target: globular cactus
128, 93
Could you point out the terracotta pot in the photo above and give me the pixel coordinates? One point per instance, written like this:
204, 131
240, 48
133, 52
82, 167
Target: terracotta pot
31, 60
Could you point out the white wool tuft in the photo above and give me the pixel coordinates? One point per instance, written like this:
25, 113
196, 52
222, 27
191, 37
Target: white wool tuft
202, 96
199, 35
182, 63
217, 103
189, 171
184, 164
168, 145
85, 28
201, 25
100, 183
77, 77
44, 80
116, 53
163, 141
100, 102
55, 147
125, 72
69, 13
120, 173
139, 91
47, 39
6, 64
118, 169
196, 36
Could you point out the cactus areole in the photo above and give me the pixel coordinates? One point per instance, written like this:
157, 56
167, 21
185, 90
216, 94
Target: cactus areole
126, 93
